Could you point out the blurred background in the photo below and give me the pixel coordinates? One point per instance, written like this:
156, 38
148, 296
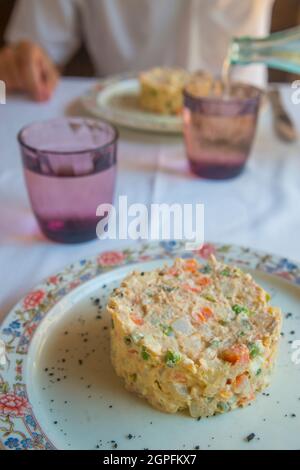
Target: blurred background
286, 14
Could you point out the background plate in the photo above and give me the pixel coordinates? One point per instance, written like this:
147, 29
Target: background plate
116, 100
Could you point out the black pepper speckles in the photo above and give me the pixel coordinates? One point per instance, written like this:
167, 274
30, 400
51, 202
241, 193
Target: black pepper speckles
250, 437
79, 346
288, 315
114, 444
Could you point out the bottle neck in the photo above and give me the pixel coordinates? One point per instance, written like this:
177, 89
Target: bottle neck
279, 50
277, 39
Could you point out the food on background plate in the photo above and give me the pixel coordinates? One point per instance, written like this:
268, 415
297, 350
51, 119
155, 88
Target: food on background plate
201, 338
161, 90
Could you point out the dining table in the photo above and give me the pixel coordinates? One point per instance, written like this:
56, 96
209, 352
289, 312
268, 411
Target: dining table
259, 209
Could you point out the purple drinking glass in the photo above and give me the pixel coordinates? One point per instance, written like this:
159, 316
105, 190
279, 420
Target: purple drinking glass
219, 131
70, 168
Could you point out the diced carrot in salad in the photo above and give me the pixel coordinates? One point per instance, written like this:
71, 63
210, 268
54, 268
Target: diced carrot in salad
237, 354
202, 316
203, 281
200, 283
136, 319
207, 312
240, 382
190, 265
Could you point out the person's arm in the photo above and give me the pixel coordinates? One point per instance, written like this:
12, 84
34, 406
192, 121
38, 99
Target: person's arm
26, 67
41, 36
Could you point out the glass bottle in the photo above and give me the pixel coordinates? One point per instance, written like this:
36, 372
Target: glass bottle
280, 50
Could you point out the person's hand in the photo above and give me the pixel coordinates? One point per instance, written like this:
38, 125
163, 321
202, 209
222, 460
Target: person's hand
26, 67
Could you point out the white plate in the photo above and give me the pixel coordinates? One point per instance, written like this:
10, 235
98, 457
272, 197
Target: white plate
59, 389
116, 100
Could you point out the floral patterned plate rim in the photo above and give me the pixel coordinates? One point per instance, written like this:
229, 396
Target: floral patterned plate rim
115, 99
19, 427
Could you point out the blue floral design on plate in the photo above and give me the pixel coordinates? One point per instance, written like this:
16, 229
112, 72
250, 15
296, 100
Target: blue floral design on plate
85, 277
12, 443
27, 444
169, 245
30, 421
15, 325
287, 265
9, 331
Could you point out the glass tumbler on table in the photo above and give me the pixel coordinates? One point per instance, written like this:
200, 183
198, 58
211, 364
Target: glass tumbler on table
219, 130
70, 169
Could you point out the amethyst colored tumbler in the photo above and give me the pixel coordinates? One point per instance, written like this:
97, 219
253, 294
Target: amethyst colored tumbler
219, 131
70, 169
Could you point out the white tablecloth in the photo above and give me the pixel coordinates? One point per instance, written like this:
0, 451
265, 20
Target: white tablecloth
259, 209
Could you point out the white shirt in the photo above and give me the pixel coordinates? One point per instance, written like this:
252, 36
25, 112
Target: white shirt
131, 35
